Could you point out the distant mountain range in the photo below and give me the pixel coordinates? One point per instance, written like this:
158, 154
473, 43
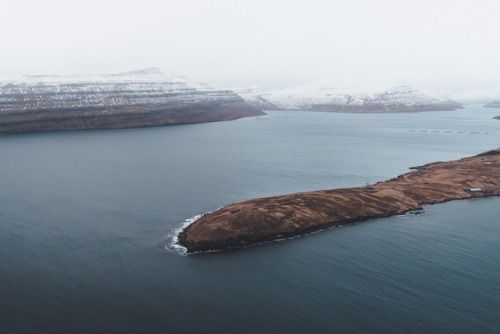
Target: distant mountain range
133, 99
493, 104
149, 98
346, 97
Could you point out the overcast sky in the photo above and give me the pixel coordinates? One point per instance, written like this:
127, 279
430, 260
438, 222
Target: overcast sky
449, 44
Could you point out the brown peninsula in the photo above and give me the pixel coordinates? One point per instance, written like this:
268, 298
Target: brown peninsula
266, 219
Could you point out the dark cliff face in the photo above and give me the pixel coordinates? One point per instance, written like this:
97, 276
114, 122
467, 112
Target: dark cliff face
118, 101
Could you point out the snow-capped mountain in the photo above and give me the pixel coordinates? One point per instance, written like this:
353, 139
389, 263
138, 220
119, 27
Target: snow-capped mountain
133, 99
346, 97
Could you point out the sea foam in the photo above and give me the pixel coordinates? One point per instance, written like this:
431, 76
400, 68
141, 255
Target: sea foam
173, 237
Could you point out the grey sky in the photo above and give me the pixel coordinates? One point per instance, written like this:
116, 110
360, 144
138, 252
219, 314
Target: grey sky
448, 44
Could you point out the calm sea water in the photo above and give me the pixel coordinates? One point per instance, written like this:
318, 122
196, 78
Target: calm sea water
86, 218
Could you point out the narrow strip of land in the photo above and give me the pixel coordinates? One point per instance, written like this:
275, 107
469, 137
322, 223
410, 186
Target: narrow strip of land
267, 219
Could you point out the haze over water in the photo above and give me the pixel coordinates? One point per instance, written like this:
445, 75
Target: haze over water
86, 218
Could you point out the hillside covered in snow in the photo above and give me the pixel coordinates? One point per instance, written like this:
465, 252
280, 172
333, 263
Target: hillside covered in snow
346, 97
132, 99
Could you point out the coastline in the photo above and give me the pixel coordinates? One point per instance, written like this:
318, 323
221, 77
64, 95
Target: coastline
286, 216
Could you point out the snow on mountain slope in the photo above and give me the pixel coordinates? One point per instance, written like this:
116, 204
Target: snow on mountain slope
346, 96
140, 98
127, 89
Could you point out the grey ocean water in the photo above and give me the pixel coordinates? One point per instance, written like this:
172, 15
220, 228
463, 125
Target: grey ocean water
86, 218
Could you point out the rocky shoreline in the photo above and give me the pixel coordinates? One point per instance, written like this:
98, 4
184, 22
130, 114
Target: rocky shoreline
280, 217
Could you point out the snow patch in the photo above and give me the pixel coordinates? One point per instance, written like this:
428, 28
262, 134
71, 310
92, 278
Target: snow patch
342, 93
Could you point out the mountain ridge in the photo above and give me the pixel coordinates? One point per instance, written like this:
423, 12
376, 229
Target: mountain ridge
347, 97
131, 99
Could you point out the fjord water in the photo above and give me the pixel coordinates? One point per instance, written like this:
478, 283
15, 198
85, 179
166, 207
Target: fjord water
86, 219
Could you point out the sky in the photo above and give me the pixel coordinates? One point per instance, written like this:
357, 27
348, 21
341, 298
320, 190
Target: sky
446, 45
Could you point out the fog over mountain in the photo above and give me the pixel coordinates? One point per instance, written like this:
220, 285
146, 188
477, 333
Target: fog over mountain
447, 46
